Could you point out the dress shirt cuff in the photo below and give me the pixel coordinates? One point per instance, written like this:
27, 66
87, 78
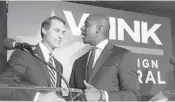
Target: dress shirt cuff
36, 97
106, 96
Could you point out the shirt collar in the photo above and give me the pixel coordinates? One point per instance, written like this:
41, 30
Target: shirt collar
45, 51
102, 44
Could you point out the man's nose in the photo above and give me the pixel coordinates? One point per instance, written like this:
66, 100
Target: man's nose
61, 35
82, 28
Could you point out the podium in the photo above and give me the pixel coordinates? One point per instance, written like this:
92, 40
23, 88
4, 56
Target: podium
165, 95
11, 87
17, 101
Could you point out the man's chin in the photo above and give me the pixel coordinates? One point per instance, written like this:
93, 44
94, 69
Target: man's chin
85, 42
57, 46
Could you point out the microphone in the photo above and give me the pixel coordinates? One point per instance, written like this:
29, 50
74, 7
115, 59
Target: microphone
11, 44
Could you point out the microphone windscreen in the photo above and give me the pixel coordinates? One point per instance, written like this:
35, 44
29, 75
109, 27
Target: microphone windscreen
8, 43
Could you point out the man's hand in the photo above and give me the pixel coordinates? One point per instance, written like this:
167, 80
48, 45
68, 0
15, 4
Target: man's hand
91, 93
49, 97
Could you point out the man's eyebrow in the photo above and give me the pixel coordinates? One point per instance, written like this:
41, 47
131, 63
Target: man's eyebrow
56, 28
64, 31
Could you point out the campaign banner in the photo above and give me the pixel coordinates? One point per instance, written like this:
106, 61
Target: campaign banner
147, 35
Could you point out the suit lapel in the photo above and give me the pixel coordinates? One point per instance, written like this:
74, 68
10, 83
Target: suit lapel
43, 66
86, 56
58, 69
57, 65
101, 60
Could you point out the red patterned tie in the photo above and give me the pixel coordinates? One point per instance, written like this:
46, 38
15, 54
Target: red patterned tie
52, 73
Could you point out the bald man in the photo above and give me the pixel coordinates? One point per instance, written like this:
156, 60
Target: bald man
106, 72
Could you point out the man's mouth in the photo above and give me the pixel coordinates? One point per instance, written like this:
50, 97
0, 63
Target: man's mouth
83, 33
83, 36
58, 41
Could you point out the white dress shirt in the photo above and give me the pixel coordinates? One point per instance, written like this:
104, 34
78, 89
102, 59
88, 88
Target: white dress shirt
45, 52
100, 47
46, 55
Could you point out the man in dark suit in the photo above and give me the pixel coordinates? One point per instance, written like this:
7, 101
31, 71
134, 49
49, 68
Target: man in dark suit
25, 68
106, 72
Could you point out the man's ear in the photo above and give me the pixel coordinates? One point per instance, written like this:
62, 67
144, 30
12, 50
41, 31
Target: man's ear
44, 31
99, 28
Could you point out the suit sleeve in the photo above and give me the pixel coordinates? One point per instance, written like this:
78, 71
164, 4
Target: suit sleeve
128, 80
19, 62
72, 77
17, 67
60, 69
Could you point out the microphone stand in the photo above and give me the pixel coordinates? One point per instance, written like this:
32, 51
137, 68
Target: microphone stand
36, 56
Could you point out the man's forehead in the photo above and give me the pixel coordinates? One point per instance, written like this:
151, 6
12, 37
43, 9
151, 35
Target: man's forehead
96, 17
90, 20
55, 21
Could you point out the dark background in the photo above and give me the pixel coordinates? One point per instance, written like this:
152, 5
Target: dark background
3, 34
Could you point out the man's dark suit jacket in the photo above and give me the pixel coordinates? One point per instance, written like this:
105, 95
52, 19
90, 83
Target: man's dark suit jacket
23, 68
115, 72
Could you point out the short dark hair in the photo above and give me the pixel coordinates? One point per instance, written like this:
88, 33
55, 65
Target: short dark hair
47, 23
